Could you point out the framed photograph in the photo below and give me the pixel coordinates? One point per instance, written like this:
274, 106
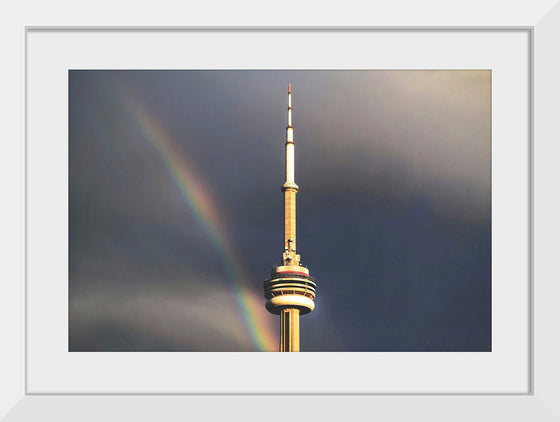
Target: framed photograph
454, 112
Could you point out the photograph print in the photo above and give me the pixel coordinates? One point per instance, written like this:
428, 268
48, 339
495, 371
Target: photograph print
279, 210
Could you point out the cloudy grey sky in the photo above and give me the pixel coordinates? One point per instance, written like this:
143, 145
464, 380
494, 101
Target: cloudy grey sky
176, 212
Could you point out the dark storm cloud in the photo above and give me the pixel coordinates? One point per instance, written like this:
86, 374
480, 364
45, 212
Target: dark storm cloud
403, 134
393, 209
159, 318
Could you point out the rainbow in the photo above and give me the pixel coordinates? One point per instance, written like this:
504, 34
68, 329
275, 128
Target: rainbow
199, 199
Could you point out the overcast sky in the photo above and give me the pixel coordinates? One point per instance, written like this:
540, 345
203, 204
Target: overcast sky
176, 211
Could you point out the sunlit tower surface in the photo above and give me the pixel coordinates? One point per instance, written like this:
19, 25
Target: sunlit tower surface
290, 290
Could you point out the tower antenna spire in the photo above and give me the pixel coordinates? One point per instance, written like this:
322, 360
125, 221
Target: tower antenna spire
290, 290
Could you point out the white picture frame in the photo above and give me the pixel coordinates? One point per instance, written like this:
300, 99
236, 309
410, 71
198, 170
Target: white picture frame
539, 403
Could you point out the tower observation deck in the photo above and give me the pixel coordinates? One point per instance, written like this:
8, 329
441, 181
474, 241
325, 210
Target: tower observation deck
290, 290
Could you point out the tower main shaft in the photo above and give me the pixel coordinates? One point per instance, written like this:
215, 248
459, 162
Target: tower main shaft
290, 290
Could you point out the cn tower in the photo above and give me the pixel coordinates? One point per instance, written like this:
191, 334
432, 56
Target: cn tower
290, 290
